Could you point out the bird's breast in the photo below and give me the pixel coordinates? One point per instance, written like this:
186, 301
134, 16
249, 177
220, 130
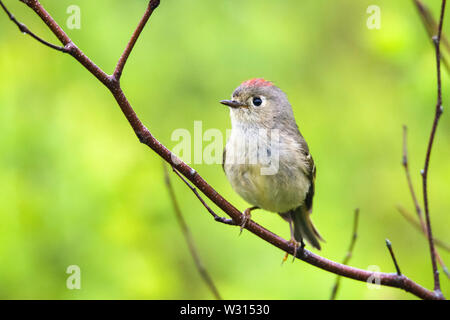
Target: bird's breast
267, 173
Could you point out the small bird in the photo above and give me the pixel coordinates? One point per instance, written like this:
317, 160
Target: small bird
267, 160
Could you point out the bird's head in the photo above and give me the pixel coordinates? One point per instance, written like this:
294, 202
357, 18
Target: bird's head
259, 102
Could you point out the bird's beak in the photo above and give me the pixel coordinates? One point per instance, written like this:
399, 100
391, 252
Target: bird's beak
233, 103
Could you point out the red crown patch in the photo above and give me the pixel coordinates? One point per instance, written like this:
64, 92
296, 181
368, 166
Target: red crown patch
257, 82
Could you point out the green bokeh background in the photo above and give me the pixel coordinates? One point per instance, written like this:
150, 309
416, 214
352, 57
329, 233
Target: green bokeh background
77, 188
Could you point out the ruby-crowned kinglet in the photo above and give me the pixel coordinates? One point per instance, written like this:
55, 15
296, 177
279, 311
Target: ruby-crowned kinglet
267, 160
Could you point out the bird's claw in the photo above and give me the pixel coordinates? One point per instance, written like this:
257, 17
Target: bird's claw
297, 245
246, 216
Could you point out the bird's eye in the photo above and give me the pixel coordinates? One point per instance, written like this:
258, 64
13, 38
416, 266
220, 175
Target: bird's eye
257, 101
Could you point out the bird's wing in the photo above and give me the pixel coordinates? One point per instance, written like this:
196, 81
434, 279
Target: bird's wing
310, 171
224, 155
312, 177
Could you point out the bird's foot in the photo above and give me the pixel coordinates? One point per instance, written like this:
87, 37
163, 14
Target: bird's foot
297, 245
246, 217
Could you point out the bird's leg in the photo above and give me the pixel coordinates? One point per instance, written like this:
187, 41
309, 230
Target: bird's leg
247, 215
294, 242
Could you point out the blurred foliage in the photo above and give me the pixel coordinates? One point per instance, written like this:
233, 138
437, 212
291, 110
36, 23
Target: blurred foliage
76, 187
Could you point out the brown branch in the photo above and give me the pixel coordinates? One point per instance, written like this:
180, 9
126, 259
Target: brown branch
348, 255
438, 113
188, 237
145, 137
389, 246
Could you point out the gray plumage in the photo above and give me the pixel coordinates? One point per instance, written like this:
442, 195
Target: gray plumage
267, 160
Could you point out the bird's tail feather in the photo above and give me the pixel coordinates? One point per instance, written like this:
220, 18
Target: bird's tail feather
304, 228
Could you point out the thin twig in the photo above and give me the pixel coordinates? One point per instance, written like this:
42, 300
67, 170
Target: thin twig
188, 237
405, 164
431, 27
422, 226
24, 29
348, 255
152, 5
145, 137
438, 242
194, 190
410, 218
389, 246
438, 113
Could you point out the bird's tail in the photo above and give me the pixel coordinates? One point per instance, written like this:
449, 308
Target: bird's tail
304, 228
